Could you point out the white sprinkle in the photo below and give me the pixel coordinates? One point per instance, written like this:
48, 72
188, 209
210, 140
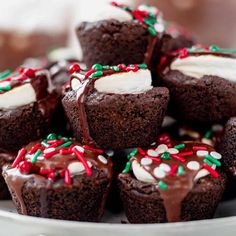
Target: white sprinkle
75, 84
207, 141
217, 128
48, 150
102, 159
159, 27
202, 173
152, 153
164, 167
173, 151
190, 133
89, 164
79, 148
153, 144
146, 161
110, 153
216, 155
161, 148
193, 165
159, 173
75, 168
202, 153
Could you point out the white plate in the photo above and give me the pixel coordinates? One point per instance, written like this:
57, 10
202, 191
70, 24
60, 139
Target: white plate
13, 224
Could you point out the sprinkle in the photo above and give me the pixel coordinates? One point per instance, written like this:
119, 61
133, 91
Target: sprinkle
185, 154
5, 87
36, 155
162, 185
207, 162
164, 167
202, 153
132, 153
146, 161
52, 136
179, 146
102, 159
52, 175
34, 148
216, 155
86, 147
152, 31
173, 151
97, 67
115, 68
82, 159
211, 170
161, 148
67, 178
155, 159
193, 165
74, 68
110, 153
20, 156
142, 66
76, 168
173, 170
64, 151
65, 144
127, 168
45, 171
152, 153
159, 27
141, 151
180, 170
208, 134
159, 173
5, 74
196, 148
106, 67
25, 167
48, 155
96, 74
213, 160
178, 158
165, 156
45, 144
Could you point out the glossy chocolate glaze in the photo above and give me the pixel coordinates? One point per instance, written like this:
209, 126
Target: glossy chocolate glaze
178, 186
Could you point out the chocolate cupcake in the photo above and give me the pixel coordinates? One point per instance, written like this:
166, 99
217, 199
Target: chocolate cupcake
202, 84
27, 103
115, 107
58, 178
121, 34
171, 182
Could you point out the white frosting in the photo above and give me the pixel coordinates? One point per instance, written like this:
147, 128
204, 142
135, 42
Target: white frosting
110, 12
198, 66
18, 96
125, 82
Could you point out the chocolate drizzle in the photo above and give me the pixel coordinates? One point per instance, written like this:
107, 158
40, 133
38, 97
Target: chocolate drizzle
178, 184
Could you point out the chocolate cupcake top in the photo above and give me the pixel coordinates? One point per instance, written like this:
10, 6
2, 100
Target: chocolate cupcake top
199, 61
55, 160
23, 87
120, 79
173, 168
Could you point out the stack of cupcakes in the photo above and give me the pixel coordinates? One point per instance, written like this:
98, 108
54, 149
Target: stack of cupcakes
137, 72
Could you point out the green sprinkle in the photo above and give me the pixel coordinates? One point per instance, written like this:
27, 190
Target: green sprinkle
208, 162
162, 185
180, 170
182, 145
152, 15
152, 31
208, 134
150, 22
142, 66
97, 74
59, 137
126, 8
214, 48
45, 144
165, 156
35, 157
106, 67
115, 68
5, 88
5, 74
127, 168
65, 138
213, 160
52, 136
132, 153
97, 67
67, 144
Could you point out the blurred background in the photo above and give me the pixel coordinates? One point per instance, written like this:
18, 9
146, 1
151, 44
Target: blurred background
33, 28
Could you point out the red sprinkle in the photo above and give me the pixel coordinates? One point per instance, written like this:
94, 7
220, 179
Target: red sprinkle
155, 159
196, 148
141, 151
50, 154
67, 177
211, 171
173, 170
35, 148
89, 73
64, 151
83, 160
29, 73
74, 68
20, 156
52, 175
46, 171
25, 167
185, 154
100, 151
177, 157
183, 53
